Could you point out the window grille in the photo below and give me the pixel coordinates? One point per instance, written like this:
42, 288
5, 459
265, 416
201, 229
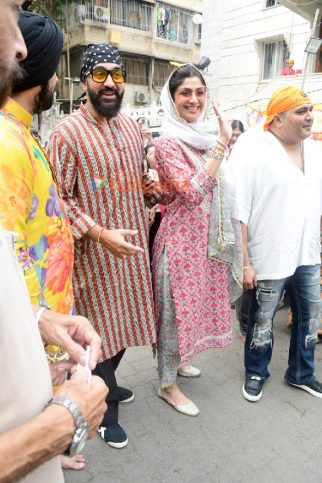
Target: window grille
131, 13
173, 24
137, 70
161, 73
275, 54
271, 3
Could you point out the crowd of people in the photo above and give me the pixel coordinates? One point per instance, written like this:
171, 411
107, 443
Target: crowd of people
238, 222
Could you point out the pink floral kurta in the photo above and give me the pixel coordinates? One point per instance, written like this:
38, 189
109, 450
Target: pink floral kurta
199, 285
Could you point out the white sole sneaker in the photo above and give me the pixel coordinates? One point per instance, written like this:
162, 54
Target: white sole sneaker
188, 371
249, 397
117, 445
307, 389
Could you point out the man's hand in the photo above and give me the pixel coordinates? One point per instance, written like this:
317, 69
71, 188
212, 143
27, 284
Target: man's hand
59, 371
73, 333
90, 397
249, 279
152, 213
115, 242
151, 186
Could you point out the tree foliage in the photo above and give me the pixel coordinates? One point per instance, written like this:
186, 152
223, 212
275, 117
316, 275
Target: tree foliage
52, 8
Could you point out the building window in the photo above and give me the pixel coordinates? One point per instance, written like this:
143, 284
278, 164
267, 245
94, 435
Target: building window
161, 73
271, 3
131, 13
137, 70
275, 54
173, 24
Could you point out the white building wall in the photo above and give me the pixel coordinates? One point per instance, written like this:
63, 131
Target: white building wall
232, 36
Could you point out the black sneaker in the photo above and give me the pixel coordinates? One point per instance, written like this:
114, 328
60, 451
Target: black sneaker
314, 387
252, 388
113, 435
124, 395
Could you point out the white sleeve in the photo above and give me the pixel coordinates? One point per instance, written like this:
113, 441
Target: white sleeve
243, 177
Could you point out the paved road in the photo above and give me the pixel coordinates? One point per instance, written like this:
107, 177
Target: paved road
278, 439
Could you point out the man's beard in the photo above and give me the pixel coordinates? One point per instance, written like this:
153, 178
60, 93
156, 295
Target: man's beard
44, 100
7, 75
105, 109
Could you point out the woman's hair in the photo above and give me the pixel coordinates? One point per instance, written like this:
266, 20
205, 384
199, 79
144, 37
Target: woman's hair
235, 124
180, 75
147, 147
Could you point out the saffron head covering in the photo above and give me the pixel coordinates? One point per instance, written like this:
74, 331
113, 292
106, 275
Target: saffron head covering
284, 99
44, 42
290, 61
99, 54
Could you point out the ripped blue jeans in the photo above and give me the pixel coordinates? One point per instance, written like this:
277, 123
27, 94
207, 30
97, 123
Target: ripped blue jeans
303, 290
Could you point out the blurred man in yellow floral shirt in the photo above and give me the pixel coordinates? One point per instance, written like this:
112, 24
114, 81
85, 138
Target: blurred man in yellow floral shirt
29, 201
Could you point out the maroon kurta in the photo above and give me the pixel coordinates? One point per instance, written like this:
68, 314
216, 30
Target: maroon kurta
99, 173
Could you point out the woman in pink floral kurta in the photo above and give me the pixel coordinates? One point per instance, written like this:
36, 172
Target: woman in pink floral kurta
191, 290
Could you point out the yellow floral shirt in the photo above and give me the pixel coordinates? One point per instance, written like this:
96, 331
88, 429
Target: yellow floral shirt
30, 206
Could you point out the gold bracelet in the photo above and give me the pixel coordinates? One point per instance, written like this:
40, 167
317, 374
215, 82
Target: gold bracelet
224, 146
219, 156
99, 236
219, 149
244, 268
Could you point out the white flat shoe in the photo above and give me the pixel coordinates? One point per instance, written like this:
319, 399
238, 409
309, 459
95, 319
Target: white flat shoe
190, 409
188, 371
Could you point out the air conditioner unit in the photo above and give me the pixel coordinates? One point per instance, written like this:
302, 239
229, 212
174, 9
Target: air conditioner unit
142, 97
102, 13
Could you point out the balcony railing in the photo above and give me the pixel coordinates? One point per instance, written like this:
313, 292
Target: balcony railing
132, 13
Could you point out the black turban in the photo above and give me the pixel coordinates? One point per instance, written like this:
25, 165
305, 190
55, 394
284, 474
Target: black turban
44, 42
99, 54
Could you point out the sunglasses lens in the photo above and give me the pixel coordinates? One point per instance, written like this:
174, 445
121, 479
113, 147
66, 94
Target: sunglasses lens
99, 75
118, 75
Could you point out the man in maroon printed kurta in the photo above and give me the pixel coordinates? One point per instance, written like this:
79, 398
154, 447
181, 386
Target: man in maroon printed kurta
97, 154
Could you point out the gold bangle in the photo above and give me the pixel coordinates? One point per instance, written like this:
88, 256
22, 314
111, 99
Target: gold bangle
224, 146
248, 266
99, 235
219, 156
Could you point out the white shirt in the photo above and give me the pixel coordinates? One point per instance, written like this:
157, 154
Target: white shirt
280, 205
24, 373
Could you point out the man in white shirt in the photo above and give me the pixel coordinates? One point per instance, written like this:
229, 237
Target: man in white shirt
277, 180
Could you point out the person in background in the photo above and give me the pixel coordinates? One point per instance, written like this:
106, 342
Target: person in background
288, 69
154, 213
237, 129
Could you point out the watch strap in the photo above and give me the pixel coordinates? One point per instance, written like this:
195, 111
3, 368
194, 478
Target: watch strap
72, 407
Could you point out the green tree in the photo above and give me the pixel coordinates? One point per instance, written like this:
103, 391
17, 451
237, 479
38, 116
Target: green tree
52, 8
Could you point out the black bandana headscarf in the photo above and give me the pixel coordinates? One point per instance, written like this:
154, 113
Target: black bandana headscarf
44, 42
99, 54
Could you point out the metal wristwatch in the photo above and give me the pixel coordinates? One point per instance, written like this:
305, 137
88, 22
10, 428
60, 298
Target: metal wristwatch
81, 433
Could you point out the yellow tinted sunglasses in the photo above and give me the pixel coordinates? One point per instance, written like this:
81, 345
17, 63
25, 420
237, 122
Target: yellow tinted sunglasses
100, 75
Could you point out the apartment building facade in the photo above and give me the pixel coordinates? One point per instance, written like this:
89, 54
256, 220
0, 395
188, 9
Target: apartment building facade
148, 34
248, 43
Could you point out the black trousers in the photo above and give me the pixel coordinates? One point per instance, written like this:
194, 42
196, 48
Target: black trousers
106, 371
